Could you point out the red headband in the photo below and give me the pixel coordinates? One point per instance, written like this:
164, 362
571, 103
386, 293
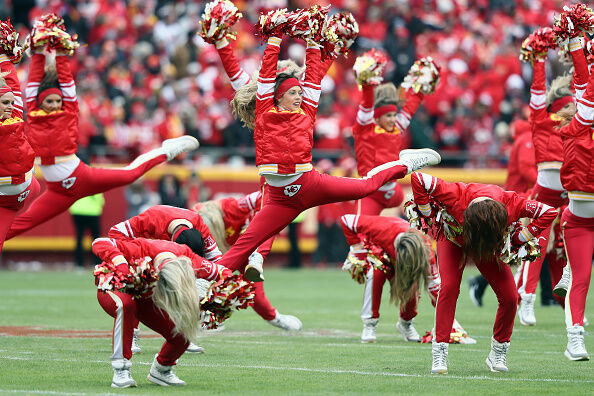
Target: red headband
285, 86
380, 111
46, 92
559, 103
5, 89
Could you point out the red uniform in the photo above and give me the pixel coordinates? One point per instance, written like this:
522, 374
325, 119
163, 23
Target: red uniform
521, 169
382, 231
456, 197
16, 162
577, 176
159, 222
236, 74
283, 147
127, 310
54, 137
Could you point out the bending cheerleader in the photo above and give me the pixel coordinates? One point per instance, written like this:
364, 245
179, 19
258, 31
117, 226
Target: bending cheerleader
227, 219
165, 299
544, 119
52, 125
17, 183
410, 267
283, 133
482, 214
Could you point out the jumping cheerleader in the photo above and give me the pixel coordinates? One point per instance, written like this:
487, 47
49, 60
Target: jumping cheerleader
169, 306
484, 213
52, 125
577, 221
227, 219
412, 267
283, 133
544, 120
16, 165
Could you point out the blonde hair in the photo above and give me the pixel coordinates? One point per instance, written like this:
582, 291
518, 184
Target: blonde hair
560, 87
175, 293
212, 214
385, 94
243, 103
566, 115
411, 266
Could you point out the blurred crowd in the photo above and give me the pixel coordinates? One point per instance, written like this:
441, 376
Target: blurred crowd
144, 75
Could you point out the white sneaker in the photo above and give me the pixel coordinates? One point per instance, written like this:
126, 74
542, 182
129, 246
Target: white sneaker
163, 375
369, 327
561, 288
465, 338
526, 309
254, 271
586, 322
193, 348
419, 158
497, 357
220, 328
135, 347
286, 322
408, 331
122, 378
576, 349
440, 357
176, 146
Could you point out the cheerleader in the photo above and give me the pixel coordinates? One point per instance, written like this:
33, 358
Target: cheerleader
285, 110
168, 304
412, 267
484, 212
227, 219
181, 226
16, 165
577, 221
544, 119
52, 125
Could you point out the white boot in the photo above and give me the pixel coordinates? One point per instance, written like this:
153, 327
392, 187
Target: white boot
419, 158
176, 146
408, 331
439, 351
193, 348
163, 375
526, 309
254, 270
576, 349
135, 347
498, 355
286, 322
122, 378
561, 288
369, 327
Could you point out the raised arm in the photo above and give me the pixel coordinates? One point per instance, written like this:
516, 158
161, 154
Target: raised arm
12, 80
69, 99
365, 111
35, 76
538, 91
236, 74
315, 70
413, 101
582, 120
267, 75
580, 66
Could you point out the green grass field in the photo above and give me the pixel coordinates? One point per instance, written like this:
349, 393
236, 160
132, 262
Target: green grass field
252, 357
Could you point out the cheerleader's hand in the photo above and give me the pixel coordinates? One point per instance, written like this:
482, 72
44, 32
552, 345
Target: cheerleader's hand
224, 273
516, 240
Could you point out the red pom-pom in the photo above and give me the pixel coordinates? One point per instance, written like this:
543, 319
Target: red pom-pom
574, 21
340, 32
218, 17
9, 42
50, 31
369, 67
537, 44
223, 297
589, 50
305, 24
441, 226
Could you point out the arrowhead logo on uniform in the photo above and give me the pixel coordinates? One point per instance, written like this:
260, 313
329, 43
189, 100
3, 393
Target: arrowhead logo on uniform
22, 196
292, 189
67, 183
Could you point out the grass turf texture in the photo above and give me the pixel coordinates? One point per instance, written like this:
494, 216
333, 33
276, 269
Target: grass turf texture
252, 357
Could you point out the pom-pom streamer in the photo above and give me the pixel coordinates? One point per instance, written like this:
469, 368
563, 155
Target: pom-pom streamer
9, 42
218, 18
50, 31
423, 76
537, 44
223, 297
574, 21
369, 67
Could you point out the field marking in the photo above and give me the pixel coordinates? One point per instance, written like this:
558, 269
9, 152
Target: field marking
330, 371
48, 392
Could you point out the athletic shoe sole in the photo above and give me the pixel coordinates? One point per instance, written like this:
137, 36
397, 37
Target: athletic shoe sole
130, 385
576, 359
159, 382
440, 371
252, 274
560, 292
403, 333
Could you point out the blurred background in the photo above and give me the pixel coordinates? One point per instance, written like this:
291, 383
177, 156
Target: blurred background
144, 75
